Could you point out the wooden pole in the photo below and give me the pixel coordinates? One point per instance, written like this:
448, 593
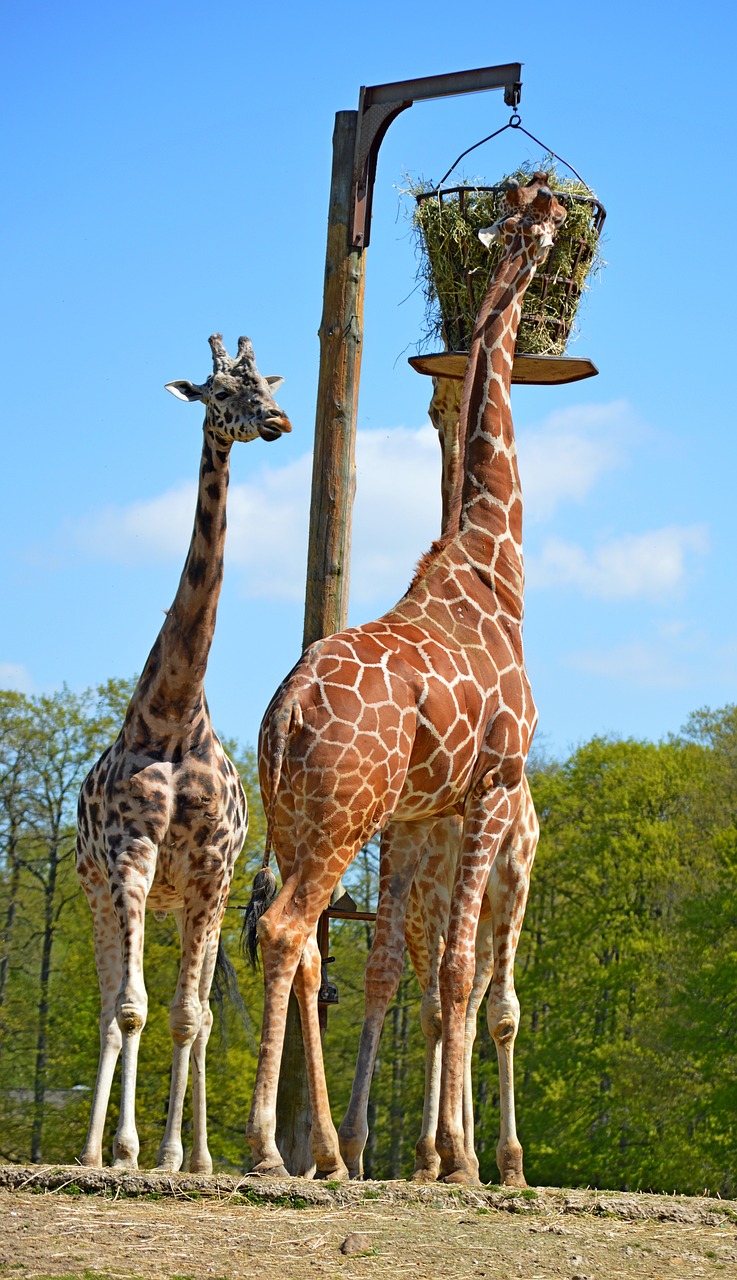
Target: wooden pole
328, 557
333, 465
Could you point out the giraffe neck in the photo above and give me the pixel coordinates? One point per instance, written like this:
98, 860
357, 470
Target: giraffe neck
486, 510
169, 700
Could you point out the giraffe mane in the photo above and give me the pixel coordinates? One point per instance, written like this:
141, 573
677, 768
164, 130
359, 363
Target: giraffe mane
426, 561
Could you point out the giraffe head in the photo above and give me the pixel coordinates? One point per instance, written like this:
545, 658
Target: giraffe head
533, 213
239, 402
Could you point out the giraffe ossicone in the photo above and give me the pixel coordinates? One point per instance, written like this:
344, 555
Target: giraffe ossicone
162, 815
421, 715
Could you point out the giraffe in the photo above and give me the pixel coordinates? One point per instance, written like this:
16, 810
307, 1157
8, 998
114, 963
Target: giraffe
424, 927
426, 712
162, 815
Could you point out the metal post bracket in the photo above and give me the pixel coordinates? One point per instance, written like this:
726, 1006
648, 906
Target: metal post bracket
379, 104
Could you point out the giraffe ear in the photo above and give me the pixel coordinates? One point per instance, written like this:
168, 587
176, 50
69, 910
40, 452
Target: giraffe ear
184, 390
274, 381
489, 235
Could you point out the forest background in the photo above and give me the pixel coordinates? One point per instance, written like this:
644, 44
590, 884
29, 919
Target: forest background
627, 1051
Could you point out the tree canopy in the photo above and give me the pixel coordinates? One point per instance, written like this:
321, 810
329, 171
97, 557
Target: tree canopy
627, 1051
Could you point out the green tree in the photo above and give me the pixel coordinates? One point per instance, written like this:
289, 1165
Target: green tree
628, 869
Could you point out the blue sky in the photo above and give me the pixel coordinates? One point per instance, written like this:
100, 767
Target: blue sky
168, 173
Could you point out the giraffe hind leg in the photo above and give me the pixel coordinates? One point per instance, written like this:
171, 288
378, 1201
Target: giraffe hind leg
284, 931
324, 1142
131, 878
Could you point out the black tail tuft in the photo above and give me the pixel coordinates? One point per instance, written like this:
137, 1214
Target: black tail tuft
225, 989
262, 895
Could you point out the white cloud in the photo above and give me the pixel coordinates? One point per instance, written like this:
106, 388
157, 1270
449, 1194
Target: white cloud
647, 565
396, 517
150, 531
649, 665
562, 459
397, 510
13, 675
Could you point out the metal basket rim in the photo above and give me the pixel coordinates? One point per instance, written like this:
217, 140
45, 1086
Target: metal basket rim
499, 186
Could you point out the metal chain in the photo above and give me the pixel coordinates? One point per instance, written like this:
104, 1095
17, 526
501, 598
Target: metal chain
515, 122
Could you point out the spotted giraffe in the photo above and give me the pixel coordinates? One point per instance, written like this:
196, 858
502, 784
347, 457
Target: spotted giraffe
424, 713
162, 814
424, 929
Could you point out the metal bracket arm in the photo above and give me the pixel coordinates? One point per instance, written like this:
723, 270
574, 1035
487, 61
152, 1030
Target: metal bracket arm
379, 104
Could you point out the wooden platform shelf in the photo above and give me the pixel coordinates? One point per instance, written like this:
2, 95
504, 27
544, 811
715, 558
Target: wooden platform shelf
538, 371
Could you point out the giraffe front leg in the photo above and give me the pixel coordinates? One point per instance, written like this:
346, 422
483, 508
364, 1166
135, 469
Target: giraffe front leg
427, 1160
484, 963
508, 887
199, 948
401, 848
425, 930
489, 813
200, 1160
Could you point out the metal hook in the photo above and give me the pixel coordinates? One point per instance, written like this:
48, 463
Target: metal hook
515, 120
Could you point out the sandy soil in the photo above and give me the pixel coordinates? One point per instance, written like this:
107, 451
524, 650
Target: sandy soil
73, 1222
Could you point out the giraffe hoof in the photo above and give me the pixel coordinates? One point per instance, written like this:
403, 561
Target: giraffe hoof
90, 1161
462, 1177
338, 1173
264, 1170
425, 1175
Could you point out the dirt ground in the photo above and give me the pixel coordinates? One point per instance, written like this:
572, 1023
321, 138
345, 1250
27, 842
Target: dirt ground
65, 1222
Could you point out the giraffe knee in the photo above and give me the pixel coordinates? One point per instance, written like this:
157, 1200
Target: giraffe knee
431, 1018
381, 980
278, 937
130, 1014
502, 1017
185, 1019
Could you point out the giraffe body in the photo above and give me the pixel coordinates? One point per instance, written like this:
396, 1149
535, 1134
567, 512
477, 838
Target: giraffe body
424, 926
424, 714
162, 815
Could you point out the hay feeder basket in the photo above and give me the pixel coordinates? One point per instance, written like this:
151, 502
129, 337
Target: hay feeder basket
550, 303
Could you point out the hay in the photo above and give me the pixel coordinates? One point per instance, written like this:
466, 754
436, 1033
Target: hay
455, 268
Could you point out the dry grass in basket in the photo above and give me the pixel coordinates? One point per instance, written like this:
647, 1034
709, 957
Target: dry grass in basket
455, 267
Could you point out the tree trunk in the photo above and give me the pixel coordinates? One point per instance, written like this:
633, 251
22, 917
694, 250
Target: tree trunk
39, 1079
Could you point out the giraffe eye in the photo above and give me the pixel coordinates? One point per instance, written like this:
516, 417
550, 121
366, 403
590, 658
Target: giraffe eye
221, 395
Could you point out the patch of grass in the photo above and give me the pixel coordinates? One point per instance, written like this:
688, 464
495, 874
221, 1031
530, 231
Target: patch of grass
455, 268
285, 1201
85, 1275
369, 1194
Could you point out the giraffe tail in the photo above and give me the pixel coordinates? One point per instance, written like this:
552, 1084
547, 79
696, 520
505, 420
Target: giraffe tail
263, 894
285, 719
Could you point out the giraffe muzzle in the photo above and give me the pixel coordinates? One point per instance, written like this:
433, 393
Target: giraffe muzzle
272, 428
